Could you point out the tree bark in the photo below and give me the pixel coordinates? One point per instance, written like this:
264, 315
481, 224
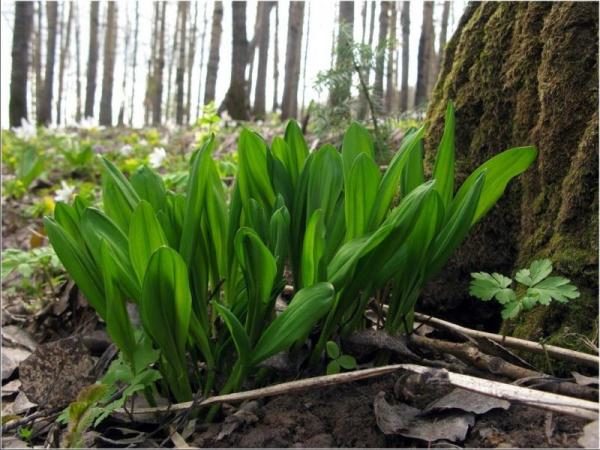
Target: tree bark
159, 65
37, 61
276, 61
202, 40
64, 55
289, 104
152, 62
180, 78
92, 65
190, 64
171, 61
380, 58
236, 100
344, 61
78, 66
263, 59
363, 16
110, 43
212, 68
252, 48
390, 90
45, 113
305, 62
121, 118
518, 84
405, 21
20, 62
364, 104
134, 68
426, 53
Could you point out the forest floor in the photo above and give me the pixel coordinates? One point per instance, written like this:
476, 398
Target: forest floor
41, 307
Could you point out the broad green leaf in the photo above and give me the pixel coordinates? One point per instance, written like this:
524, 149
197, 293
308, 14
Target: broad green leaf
554, 288
357, 141
68, 218
118, 325
253, 172
149, 186
538, 270
333, 351
238, 334
347, 362
485, 287
511, 310
145, 237
325, 184
360, 193
279, 236
165, 310
297, 148
443, 169
307, 307
312, 251
30, 166
333, 367
80, 266
499, 171
118, 195
412, 174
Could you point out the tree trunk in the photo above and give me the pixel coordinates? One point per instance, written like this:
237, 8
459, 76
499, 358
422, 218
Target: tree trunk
171, 61
289, 104
78, 66
390, 89
426, 53
134, 69
121, 118
363, 16
180, 79
236, 99
405, 21
65, 39
444, 30
380, 58
252, 48
92, 65
190, 64
37, 61
110, 43
276, 61
344, 61
367, 71
263, 59
212, 68
202, 40
20, 62
530, 78
159, 65
45, 113
305, 62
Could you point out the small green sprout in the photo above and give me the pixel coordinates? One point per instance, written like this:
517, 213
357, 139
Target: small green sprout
540, 288
338, 361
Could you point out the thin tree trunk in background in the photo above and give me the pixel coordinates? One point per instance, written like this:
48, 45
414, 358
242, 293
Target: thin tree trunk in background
235, 102
380, 57
343, 61
336, 10
45, 113
150, 73
171, 62
78, 65
158, 71
405, 21
121, 118
425, 55
134, 69
20, 62
367, 70
363, 15
180, 78
37, 60
64, 55
433, 57
289, 104
305, 62
190, 64
276, 60
390, 90
252, 49
263, 59
92, 64
443, 35
212, 67
201, 65
110, 42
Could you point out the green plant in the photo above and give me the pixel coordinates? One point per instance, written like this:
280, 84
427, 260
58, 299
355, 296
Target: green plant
205, 267
538, 288
25, 433
339, 360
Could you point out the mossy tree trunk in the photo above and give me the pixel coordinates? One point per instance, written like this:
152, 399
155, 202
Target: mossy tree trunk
519, 74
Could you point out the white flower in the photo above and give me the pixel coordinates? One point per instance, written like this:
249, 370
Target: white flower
65, 193
143, 142
88, 123
126, 150
26, 131
157, 156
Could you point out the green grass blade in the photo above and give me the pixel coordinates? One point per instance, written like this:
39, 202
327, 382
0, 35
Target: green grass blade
145, 237
443, 169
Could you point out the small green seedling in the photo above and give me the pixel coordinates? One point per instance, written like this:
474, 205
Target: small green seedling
25, 433
338, 361
539, 288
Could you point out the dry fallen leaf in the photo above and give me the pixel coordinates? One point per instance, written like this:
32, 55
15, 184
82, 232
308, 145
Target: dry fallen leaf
467, 401
583, 380
409, 422
589, 439
11, 358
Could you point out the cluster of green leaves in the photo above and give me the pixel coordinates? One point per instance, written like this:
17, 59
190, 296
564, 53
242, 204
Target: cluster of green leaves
538, 288
205, 267
339, 360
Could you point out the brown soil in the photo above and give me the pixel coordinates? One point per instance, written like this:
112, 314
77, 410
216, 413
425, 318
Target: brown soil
343, 416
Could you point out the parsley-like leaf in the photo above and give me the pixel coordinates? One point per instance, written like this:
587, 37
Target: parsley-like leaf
486, 287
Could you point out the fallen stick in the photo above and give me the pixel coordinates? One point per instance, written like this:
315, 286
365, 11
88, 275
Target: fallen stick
516, 343
537, 399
